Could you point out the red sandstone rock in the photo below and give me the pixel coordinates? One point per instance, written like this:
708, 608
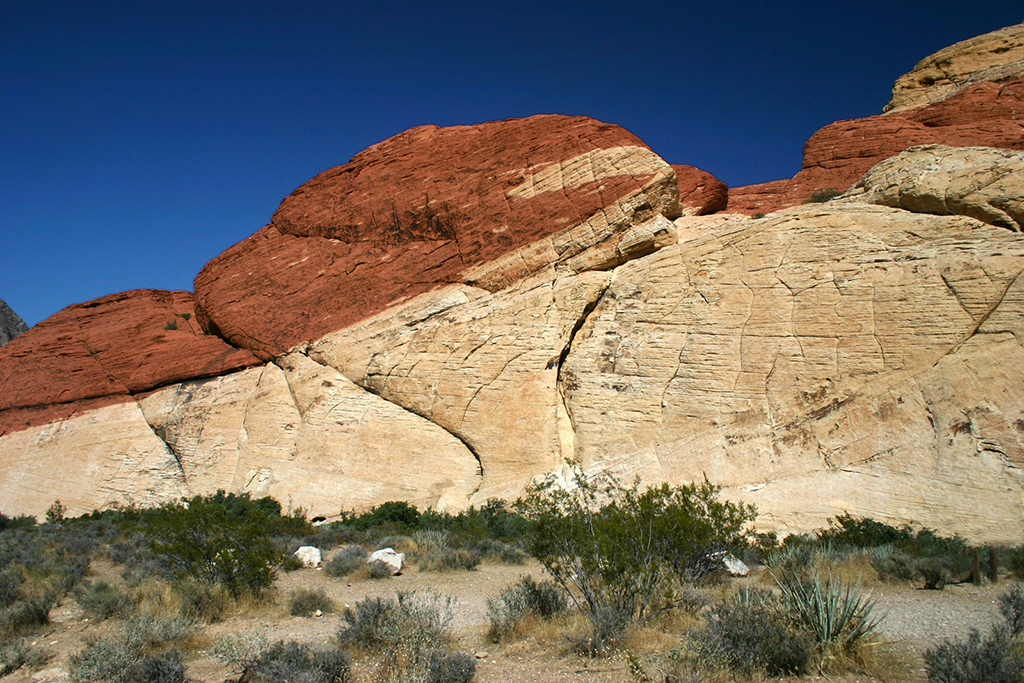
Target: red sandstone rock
700, 193
986, 114
116, 345
426, 208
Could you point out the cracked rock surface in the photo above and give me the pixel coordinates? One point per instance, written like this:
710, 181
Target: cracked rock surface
981, 182
827, 359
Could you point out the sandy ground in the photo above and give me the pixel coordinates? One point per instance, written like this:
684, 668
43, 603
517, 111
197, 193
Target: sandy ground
913, 620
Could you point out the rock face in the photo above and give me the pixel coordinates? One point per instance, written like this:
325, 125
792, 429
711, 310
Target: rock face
827, 358
968, 108
457, 311
700, 193
991, 57
984, 183
121, 344
483, 205
11, 324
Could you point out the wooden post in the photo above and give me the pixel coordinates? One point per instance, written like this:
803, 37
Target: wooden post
993, 566
975, 567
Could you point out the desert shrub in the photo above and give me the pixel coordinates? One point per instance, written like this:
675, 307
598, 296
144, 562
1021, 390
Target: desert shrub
836, 614
305, 602
120, 655
299, 663
1013, 559
822, 195
510, 608
26, 614
378, 569
346, 560
450, 667
429, 540
290, 563
239, 651
397, 542
495, 550
15, 654
618, 548
101, 601
10, 588
204, 602
221, 538
418, 620
755, 633
449, 560
1011, 605
162, 667
992, 659
19, 522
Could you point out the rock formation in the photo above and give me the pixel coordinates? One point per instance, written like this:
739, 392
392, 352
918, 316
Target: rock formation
984, 183
457, 311
484, 205
995, 56
984, 108
11, 325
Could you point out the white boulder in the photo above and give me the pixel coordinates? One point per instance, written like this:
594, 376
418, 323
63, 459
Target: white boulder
309, 556
392, 560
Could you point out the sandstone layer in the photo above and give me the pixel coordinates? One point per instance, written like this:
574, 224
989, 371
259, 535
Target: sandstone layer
994, 56
970, 94
981, 182
483, 205
700, 193
458, 311
827, 359
120, 344
11, 324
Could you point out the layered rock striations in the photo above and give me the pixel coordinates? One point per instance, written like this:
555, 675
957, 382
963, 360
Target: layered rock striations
483, 205
973, 108
11, 324
458, 311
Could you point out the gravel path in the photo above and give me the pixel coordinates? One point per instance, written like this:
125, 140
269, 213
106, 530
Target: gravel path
922, 618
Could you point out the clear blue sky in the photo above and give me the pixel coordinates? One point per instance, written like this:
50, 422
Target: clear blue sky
140, 139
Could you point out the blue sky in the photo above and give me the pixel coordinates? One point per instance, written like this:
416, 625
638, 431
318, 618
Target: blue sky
140, 139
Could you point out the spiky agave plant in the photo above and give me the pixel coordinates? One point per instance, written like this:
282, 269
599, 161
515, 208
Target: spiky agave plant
837, 613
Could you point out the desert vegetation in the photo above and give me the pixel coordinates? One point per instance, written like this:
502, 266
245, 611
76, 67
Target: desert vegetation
611, 571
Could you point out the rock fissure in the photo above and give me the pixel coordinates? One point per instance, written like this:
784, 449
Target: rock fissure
368, 388
161, 434
560, 381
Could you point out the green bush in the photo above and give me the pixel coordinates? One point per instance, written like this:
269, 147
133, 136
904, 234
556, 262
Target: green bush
201, 601
305, 602
620, 548
101, 601
298, 662
219, 539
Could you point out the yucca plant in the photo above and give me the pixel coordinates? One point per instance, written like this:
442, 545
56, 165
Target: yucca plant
836, 613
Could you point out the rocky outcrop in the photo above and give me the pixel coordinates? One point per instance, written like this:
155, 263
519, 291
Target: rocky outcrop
121, 344
483, 205
981, 182
980, 102
11, 324
700, 193
457, 311
826, 359
994, 56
